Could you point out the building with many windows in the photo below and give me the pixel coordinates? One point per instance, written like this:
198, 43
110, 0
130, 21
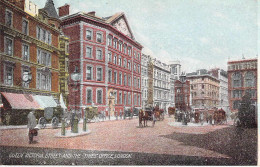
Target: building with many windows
204, 89
105, 53
146, 59
182, 94
223, 88
29, 55
161, 81
242, 79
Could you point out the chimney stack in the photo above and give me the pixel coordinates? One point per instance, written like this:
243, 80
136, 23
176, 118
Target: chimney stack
64, 10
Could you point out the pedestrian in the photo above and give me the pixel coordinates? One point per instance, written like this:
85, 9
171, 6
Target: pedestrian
31, 126
201, 118
120, 114
154, 119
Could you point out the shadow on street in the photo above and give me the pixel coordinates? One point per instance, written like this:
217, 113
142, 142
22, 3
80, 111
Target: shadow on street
238, 143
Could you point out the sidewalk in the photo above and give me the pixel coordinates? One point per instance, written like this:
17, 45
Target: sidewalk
112, 118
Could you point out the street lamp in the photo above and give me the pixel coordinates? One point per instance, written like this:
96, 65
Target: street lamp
75, 76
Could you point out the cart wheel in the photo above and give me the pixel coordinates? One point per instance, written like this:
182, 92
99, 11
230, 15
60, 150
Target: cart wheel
55, 122
42, 122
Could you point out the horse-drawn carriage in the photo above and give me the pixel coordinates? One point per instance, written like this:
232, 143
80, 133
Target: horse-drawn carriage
219, 116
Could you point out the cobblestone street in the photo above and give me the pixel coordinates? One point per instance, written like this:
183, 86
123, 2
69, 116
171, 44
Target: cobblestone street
222, 141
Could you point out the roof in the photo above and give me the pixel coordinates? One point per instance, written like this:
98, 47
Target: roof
50, 9
21, 101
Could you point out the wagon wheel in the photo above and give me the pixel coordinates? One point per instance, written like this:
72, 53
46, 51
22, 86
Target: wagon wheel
42, 122
55, 122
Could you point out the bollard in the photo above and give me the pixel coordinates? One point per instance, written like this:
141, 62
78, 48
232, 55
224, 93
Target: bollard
85, 124
75, 125
63, 130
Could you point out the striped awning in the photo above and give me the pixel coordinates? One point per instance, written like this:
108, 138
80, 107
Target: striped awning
45, 101
21, 101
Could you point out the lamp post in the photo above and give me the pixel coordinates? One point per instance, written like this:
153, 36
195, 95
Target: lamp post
75, 76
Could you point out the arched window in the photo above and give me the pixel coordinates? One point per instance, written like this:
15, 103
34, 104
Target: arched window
249, 79
237, 79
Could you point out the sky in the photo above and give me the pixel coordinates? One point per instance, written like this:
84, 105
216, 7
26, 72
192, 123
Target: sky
198, 33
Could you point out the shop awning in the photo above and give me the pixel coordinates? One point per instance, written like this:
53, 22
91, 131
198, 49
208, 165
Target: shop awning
45, 101
21, 101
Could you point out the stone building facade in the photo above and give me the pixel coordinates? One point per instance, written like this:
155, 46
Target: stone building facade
161, 82
29, 54
146, 59
204, 89
242, 78
108, 58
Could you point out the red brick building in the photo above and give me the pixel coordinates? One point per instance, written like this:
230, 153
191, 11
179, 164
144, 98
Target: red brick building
108, 58
182, 95
242, 78
29, 44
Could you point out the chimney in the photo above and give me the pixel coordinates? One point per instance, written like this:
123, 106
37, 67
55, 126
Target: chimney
93, 13
64, 10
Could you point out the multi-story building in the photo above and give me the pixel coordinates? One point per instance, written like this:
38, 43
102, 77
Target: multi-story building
175, 75
223, 88
182, 94
161, 81
29, 55
146, 59
242, 79
105, 53
204, 89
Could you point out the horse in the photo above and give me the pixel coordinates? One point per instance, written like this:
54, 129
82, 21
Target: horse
141, 114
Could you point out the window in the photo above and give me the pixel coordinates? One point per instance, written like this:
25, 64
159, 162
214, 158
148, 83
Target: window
43, 57
99, 54
8, 46
251, 92
237, 79
115, 93
99, 37
129, 51
89, 72
110, 75
138, 100
135, 99
120, 78
115, 43
43, 35
125, 80
139, 68
25, 27
134, 67
89, 52
99, 96
89, 96
120, 46
115, 77
8, 18
43, 80
120, 61
125, 63
125, 96
138, 57
99, 73
129, 80
237, 93
89, 34
129, 98
202, 86
25, 52
236, 104
249, 79
115, 59
125, 48
109, 57
120, 98
9, 71
129, 65
138, 82
110, 40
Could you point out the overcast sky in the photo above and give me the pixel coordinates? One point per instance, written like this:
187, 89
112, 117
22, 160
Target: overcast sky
199, 33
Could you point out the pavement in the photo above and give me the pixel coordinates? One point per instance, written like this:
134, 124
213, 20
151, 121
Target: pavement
224, 144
